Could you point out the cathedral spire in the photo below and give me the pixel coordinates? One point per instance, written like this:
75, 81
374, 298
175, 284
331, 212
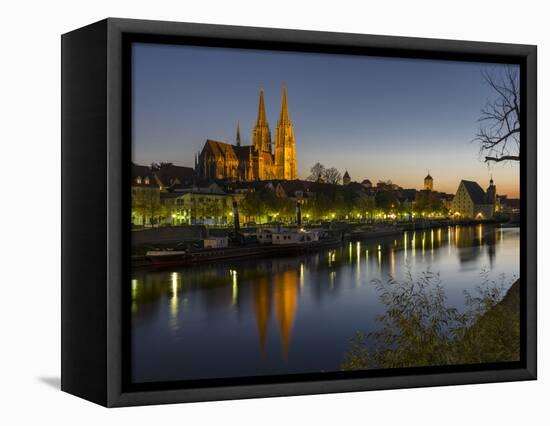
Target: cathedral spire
238, 138
284, 118
261, 135
261, 110
285, 148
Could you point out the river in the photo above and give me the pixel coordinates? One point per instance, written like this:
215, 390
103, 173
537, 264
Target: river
285, 315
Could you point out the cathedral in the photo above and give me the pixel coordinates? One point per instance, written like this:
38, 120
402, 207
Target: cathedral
259, 161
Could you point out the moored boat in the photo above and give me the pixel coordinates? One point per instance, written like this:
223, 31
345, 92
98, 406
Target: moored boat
285, 242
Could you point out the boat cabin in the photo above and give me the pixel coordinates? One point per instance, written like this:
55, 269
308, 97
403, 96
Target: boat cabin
216, 242
299, 236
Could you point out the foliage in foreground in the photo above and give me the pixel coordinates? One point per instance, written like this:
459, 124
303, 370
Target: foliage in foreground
419, 329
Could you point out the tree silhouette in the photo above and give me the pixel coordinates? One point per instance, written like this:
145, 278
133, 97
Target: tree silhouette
332, 175
317, 173
500, 127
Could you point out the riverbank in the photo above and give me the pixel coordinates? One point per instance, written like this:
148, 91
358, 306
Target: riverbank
173, 235
487, 332
189, 240
495, 336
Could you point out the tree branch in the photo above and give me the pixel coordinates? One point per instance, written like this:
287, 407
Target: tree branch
503, 158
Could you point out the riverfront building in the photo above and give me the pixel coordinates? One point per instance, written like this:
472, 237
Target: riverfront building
471, 201
197, 206
165, 195
145, 196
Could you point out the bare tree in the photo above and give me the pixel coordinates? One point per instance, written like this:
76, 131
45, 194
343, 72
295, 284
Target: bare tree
499, 131
320, 173
317, 172
332, 175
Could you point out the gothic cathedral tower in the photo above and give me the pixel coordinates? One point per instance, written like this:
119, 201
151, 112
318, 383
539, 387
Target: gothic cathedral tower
261, 135
285, 148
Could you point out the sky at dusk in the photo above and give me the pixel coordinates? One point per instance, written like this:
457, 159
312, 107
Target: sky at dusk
377, 118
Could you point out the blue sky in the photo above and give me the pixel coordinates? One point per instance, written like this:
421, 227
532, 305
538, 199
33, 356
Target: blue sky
377, 118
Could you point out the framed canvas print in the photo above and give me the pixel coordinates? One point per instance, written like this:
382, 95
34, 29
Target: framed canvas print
253, 212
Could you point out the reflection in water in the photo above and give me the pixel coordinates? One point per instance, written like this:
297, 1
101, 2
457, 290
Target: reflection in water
293, 314
358, 264
234, 286
286, 300
262, 308
283, 294
174, 303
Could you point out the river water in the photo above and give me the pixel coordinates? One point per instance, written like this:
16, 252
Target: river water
286, 315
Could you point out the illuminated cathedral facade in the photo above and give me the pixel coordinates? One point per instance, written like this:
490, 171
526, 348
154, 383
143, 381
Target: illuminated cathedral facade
259, 161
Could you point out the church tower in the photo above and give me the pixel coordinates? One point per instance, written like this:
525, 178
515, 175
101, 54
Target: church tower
428, 183
491, 192
346, 179
285, 147
261, 135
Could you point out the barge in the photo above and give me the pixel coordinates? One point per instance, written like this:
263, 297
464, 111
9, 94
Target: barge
166, 258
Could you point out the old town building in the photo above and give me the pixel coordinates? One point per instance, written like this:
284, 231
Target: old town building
471, 201
198, 206
146, 206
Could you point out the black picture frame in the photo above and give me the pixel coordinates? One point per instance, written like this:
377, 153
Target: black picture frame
95, 185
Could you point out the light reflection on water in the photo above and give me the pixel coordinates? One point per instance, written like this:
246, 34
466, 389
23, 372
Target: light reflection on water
295, 314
